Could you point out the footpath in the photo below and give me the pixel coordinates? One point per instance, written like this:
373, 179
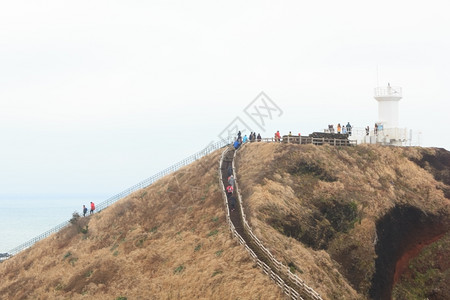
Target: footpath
291, 285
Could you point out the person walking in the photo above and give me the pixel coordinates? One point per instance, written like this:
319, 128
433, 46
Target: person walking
232, 203
231, 180
92, 208
236, 144
84, 210
229, 191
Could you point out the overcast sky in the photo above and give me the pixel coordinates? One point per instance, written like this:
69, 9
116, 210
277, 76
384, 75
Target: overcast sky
96, 96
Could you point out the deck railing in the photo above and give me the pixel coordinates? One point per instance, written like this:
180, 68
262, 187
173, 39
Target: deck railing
303, 140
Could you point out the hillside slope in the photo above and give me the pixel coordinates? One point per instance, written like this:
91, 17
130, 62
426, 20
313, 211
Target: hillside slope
353, 222
168, 241
349, 220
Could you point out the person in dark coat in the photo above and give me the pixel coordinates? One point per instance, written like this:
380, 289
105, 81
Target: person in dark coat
232, 203
84, 210
349, 128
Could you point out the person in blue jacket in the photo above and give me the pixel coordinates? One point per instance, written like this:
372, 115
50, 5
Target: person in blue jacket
245, 139
236, 144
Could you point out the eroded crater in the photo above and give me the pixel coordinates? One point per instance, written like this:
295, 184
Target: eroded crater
401, 233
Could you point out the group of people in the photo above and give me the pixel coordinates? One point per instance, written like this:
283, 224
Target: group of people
347, 129
376, 128
255, 138
85, 209
252, 138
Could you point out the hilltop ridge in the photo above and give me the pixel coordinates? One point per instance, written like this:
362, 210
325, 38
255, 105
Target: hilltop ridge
326, 212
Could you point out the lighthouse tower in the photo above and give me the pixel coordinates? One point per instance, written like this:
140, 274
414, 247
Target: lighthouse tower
388, 99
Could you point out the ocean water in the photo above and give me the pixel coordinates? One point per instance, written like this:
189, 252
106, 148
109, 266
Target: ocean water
23, 219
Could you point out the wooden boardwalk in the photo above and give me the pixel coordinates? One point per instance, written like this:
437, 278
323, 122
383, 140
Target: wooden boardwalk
304, 140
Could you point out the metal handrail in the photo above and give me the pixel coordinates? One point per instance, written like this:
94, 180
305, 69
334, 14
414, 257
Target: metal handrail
145, 183
210, 148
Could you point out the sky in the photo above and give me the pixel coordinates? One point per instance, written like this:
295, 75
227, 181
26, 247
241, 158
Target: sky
96, 96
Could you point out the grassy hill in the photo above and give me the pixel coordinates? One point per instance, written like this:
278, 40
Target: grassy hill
353, 222
168, 241
346, 218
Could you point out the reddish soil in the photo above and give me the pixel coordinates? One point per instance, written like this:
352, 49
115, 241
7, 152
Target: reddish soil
403, 263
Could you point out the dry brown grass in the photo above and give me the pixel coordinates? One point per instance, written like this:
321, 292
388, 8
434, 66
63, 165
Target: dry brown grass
168, 241
315, 207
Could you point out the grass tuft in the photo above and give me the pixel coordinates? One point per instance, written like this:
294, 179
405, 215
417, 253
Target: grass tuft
179, 269
213, 232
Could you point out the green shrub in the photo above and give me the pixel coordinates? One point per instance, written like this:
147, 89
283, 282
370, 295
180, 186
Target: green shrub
75, 218
73, 260
213, 232
84, 230
178, 269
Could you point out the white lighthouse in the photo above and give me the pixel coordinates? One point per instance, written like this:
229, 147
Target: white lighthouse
387, 131
388, 99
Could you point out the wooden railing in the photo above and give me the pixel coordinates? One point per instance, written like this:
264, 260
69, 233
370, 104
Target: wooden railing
292, 293
280, 268
303, 140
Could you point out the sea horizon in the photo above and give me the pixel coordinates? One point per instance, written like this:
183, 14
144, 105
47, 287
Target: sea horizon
22, 218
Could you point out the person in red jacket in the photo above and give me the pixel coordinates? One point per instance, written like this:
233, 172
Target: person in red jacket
277, 136
229, 191
92, 208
